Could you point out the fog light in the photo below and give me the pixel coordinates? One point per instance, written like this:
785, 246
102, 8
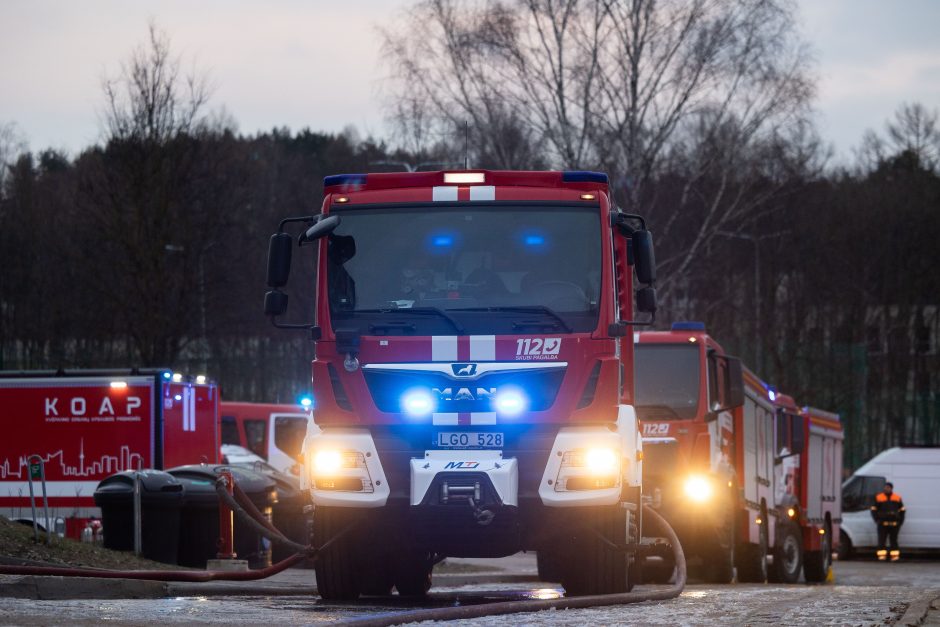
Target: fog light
601, 461
698, 489
327, 462
510, 402
791, 512
417, 403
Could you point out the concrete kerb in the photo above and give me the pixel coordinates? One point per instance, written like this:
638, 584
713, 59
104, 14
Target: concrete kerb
918, 609
65, 588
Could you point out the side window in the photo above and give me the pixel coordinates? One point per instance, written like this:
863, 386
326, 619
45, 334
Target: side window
714, 396
783, 435
230, 430
255, 436
796, 434
873, 485
289, 433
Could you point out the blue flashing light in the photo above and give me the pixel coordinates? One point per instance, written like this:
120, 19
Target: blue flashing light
344, 179
417, 403
306, 401
443, 241
167, 376
688, 326
771, 395
534, 240
510, 402
178, 397
584, 176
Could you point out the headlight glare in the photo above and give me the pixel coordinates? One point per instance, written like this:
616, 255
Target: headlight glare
601, 461
698, 489
327, 461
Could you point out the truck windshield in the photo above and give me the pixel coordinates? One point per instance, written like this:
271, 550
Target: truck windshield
667, 381
458, 270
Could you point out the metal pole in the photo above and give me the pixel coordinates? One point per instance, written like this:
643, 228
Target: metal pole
138, 540
757, 318
226, 520
32, 500
45, 500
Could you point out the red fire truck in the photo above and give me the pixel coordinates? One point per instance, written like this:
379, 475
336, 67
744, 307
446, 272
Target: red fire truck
725, 461
473, 374
88, 424
707, 426
808, 489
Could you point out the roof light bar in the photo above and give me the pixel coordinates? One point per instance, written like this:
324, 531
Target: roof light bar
688, 326
584, 176
344, 179
464, 178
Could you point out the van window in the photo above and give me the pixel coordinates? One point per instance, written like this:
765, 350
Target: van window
859, 492
255, 436
289, 433
230, 431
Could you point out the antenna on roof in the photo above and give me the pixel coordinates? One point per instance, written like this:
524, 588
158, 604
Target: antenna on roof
466, 144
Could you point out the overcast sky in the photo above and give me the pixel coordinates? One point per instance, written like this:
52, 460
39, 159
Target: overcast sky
315, 63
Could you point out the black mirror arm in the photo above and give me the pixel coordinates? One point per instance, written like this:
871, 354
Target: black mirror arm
619, 328
286, 221
315, 331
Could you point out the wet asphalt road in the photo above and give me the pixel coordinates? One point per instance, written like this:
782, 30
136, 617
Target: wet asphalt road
864, 593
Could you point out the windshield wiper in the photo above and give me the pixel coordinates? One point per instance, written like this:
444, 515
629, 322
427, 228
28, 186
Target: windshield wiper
653, 411
420, 311
548, 311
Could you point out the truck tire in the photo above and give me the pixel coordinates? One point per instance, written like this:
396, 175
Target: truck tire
816, 564
658, 571
720, 567
788, 554
377, 578
413, 574
593, 566
549, 566
751, 559
846, 551
336, 566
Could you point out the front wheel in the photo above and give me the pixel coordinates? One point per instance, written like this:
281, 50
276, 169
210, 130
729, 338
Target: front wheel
336, 567
846, 551
816, 564
594, 560
752, 559
413, 574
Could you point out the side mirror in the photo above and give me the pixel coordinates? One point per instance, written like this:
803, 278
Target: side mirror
646, 300
322, 228
644, 259
279, 252
711, 416
275, 303
735, 382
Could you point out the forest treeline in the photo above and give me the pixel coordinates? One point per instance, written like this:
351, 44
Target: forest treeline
148, 248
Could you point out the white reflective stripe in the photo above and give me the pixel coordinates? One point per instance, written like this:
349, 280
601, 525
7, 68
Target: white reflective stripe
482, 369
442, 193
482, 192
636, 337
482, 347
444, 348
444, 419
483, 418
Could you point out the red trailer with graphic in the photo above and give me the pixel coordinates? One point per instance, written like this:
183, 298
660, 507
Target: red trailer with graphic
87, 425
473, 375
808, 485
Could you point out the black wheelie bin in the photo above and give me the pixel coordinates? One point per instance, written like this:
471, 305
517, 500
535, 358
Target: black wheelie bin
161, 497
199, 519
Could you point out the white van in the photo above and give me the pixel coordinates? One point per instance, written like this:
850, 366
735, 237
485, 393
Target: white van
915, 473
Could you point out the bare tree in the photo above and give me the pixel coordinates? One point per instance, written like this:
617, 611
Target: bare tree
640, 88
914, 130
12, 145
151, 99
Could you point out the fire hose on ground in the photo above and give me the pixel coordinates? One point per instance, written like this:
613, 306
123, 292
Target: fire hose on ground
241, 504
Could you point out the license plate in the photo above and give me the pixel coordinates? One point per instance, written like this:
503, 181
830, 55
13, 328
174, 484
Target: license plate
469, 439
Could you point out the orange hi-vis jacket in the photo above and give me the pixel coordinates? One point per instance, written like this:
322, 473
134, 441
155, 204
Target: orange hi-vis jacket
888, 511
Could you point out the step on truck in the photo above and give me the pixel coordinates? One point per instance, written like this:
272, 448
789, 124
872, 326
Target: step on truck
473, 375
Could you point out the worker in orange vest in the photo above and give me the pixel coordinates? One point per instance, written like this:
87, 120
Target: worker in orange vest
888, 512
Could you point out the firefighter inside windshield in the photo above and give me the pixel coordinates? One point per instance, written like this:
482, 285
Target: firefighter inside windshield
454, 270
667, 381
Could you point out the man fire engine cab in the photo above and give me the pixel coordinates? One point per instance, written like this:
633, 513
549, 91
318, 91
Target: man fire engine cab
473, 375
888, 512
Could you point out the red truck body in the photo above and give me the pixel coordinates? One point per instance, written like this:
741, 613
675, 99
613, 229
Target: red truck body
88, 425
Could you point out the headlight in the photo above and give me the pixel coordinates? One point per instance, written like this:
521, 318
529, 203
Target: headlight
601, 461
327, 462
698, 489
